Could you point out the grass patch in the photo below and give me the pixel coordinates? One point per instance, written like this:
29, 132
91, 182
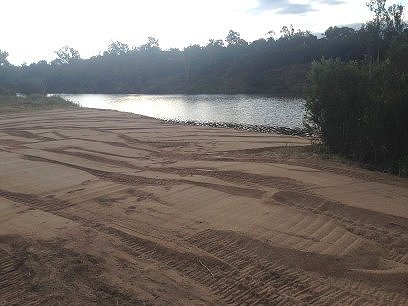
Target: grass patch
33, 102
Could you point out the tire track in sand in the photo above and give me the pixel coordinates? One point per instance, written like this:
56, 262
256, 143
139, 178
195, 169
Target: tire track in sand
270, 275
15, 285
388, 231
132, 180
237, 269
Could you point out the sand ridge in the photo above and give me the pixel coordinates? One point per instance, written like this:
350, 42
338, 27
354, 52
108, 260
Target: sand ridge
102, 207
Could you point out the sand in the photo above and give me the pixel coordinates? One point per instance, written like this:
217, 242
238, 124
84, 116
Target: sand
102, 207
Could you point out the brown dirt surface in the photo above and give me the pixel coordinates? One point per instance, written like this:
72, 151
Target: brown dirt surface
108, 208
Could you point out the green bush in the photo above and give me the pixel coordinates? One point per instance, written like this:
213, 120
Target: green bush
360, 110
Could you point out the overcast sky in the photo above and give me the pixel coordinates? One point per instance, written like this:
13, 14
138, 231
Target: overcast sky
33, 29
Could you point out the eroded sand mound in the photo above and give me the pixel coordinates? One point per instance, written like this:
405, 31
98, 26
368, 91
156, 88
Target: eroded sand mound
102, 207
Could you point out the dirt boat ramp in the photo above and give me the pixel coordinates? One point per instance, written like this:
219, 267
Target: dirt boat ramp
109, 208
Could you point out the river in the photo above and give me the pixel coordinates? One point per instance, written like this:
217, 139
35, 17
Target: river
235, 109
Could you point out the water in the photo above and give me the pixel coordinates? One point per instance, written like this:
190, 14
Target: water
236, 109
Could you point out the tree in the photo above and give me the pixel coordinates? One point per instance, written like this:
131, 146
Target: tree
234, 39
271, 35
3, 58
66, 55
117, 48
379, 32
215, 43
379, 10
287, 32
339, 33
152, 43
395, 23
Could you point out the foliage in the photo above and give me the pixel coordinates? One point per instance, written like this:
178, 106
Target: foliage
264, 66
117, 48
3, 58
234, 39
152, 43
335, 102
66, 55
359, 108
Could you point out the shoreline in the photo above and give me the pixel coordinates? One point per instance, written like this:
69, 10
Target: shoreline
281, 130
244, 127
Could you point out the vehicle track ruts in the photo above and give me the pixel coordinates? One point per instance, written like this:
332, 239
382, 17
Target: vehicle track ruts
203, 269
154, 144
97, 158
240, 177
47, 273
58, 134
131, 157
117, 144
141, 180
112, 176
282, 272
240, 270
387, 230
189, 264
26, 134
229, 176
14, 284
255, 155
206, 271
209, 271
47, 204
11, 143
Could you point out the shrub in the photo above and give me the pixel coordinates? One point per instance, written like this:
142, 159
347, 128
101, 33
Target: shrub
360, 110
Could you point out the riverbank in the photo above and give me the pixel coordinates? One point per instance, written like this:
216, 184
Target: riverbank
13, 104
125, 209
247, 127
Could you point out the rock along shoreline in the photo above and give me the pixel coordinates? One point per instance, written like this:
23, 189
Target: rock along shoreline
245, 127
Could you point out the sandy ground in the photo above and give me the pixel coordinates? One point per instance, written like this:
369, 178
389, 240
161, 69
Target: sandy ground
102, 207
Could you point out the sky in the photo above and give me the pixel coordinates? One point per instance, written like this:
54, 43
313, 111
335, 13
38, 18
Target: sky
33, 30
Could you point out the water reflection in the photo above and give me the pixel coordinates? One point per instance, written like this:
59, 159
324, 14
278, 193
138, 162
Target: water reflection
241, 109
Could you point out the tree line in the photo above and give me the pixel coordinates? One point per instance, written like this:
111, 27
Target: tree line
272, 65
